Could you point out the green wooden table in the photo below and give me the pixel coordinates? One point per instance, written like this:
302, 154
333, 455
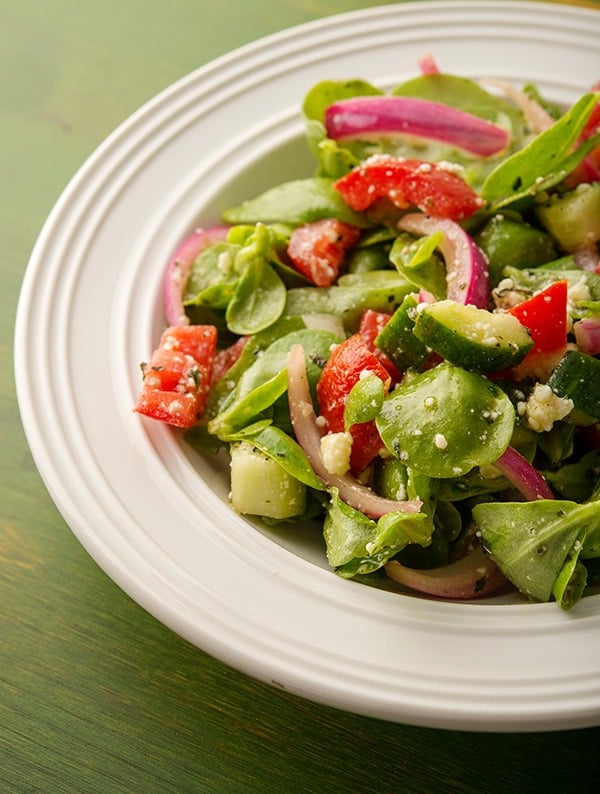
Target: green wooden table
95, 694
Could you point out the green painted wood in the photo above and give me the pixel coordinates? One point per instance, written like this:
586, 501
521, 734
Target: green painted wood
95, 694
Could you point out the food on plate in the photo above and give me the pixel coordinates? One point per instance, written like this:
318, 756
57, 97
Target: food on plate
404, 346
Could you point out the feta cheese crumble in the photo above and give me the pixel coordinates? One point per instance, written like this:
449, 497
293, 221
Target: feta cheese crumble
335, 452
543, 408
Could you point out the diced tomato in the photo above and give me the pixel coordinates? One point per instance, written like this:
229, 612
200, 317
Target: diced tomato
428, 186
545, 317
342, 370
178, 376
318, 249
226, 358
371, 324
180, 410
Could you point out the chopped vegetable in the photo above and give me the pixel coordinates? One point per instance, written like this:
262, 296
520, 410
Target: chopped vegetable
178, 376
437, 190
379, 116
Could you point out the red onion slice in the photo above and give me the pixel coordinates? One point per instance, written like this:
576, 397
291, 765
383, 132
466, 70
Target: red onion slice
588, 259
380, 116
474, 576
428, 65
178, 270
523, 475
536, 117
308, 435
587, 335
466, 264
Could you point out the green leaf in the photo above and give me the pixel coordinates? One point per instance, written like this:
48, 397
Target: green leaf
212, 278
356, 544
258, 301
576, 481
325, 93
296, 202
262, 383
544, 162
418, 262
364, 401
532, 541
249, 406
447, 421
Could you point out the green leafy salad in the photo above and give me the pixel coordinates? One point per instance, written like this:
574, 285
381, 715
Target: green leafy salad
404, 346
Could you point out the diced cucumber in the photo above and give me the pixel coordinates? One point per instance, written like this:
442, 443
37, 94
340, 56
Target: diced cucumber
508, 242
260, 487
397, 339
573, 219
472, 338
378, 290
577, 377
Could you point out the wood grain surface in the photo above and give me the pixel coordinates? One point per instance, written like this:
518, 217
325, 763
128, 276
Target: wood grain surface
95, 694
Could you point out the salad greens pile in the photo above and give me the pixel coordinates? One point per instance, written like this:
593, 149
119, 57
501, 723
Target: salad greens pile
408, 340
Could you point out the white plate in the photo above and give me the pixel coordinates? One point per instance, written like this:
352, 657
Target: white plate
153, 515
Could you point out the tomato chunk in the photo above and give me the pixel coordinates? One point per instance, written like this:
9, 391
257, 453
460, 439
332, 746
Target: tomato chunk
545, 317
371, 324
318, 249
428, 186
226, 358
178, 376
343, 369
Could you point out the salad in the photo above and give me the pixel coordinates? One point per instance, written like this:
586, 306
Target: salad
404, 346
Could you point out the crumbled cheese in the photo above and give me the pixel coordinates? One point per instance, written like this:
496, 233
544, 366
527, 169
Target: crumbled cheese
452, 168
224, 262
578, 293
544, 407
175, 407
170, 343
441, 441
335, 452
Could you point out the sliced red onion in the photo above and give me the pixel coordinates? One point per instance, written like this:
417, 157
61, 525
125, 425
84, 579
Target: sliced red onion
308, 435
466, 264
588, 259
536, 117
380, 116
587, 335
428, 65
474, 576
523, 475
178, 270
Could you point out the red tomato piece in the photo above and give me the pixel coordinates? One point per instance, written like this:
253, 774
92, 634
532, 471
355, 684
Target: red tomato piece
545, 317
318, 249
225, 359
432, 188
180, 410
169, 368
178, 376
342, 370
371, 324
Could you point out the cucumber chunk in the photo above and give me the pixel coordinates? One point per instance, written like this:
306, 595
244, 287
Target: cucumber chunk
573, 219
397, 339
508, 242
577, 377
472, 338
261, 487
